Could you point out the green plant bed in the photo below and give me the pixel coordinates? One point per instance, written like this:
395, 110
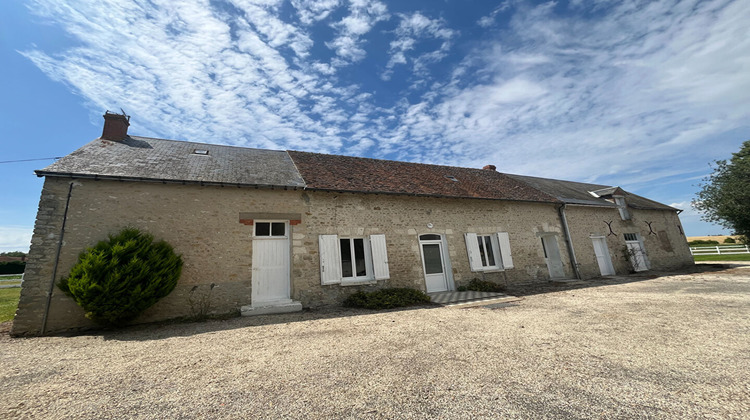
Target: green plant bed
387, 299
733, 257
8, 303
476, 285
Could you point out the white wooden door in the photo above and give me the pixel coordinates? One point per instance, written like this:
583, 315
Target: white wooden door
433, 263
552, 256
602, 256
637, 255
270, 275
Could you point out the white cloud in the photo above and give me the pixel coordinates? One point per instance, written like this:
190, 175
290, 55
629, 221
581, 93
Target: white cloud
487, 21
615, 98
411, 29
311, 11
363, 15
15, 238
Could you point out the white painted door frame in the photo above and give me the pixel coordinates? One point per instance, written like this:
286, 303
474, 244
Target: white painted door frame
603, 258
271, 267
435, 282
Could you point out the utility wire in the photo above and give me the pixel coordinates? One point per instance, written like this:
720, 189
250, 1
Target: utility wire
29, 160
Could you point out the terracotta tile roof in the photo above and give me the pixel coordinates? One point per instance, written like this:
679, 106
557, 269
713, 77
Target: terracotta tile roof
354, 174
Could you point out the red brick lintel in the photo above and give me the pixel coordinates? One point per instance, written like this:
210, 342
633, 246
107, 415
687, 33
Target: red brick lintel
249, 222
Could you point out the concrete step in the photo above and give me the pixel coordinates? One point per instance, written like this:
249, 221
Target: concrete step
267, 308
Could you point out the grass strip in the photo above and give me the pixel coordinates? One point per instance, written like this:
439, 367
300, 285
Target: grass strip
8, 303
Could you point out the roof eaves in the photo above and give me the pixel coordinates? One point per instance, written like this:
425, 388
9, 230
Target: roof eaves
555, 201
41, 173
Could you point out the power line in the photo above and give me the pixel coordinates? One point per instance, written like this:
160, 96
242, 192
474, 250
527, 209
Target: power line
29, 160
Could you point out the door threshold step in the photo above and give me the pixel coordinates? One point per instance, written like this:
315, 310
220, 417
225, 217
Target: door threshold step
271, 308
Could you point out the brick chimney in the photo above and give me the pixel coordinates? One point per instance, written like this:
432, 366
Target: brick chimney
115, 126
490, 167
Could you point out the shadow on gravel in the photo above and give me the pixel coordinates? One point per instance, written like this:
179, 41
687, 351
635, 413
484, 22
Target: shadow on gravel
181, 328
184, 328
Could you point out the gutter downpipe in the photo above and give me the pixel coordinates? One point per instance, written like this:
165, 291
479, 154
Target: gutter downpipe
568, 240
57, 261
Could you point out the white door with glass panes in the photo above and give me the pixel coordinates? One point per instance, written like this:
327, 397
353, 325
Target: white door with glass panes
433, 263
270, 273
552, 257
636, 253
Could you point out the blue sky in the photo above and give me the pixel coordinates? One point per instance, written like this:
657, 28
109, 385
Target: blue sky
637, 94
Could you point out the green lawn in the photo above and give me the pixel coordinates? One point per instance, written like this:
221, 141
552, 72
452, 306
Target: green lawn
11, 277
734, 257
8, 303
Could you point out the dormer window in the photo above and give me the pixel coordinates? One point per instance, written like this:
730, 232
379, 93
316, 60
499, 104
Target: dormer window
622, 207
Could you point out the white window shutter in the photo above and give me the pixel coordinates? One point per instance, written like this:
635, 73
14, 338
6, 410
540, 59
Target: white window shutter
379, 257
504, 241
330, 260
472, 248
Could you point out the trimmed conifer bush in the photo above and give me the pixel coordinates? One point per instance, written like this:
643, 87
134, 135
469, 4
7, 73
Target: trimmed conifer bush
118, 279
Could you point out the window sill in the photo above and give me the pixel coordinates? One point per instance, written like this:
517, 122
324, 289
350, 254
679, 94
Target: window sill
358, 282
492, 270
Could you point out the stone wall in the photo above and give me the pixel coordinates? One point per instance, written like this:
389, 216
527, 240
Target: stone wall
203, 224
666, 249
402, 219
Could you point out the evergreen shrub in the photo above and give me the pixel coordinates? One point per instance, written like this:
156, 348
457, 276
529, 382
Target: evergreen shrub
386, 298
729, 240
477, 285
118, 279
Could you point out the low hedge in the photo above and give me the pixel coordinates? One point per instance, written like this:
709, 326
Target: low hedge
476, 285
386, 299
12, 267
703, 242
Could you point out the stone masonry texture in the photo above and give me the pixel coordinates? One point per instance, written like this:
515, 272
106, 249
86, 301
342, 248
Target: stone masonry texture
203, 224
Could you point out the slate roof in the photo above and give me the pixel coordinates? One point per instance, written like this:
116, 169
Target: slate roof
150, 159
354, 174
571, 192
144, 158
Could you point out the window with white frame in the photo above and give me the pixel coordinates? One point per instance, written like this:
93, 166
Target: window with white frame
487, 248
352, 260
622, 207
273, 229
489, 252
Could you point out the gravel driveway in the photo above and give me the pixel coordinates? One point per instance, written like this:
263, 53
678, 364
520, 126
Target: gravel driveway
675, 346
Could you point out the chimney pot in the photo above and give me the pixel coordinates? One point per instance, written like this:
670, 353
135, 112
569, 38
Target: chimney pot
490, 167
115, 126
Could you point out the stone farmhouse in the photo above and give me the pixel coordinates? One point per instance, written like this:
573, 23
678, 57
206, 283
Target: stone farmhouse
276, 231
